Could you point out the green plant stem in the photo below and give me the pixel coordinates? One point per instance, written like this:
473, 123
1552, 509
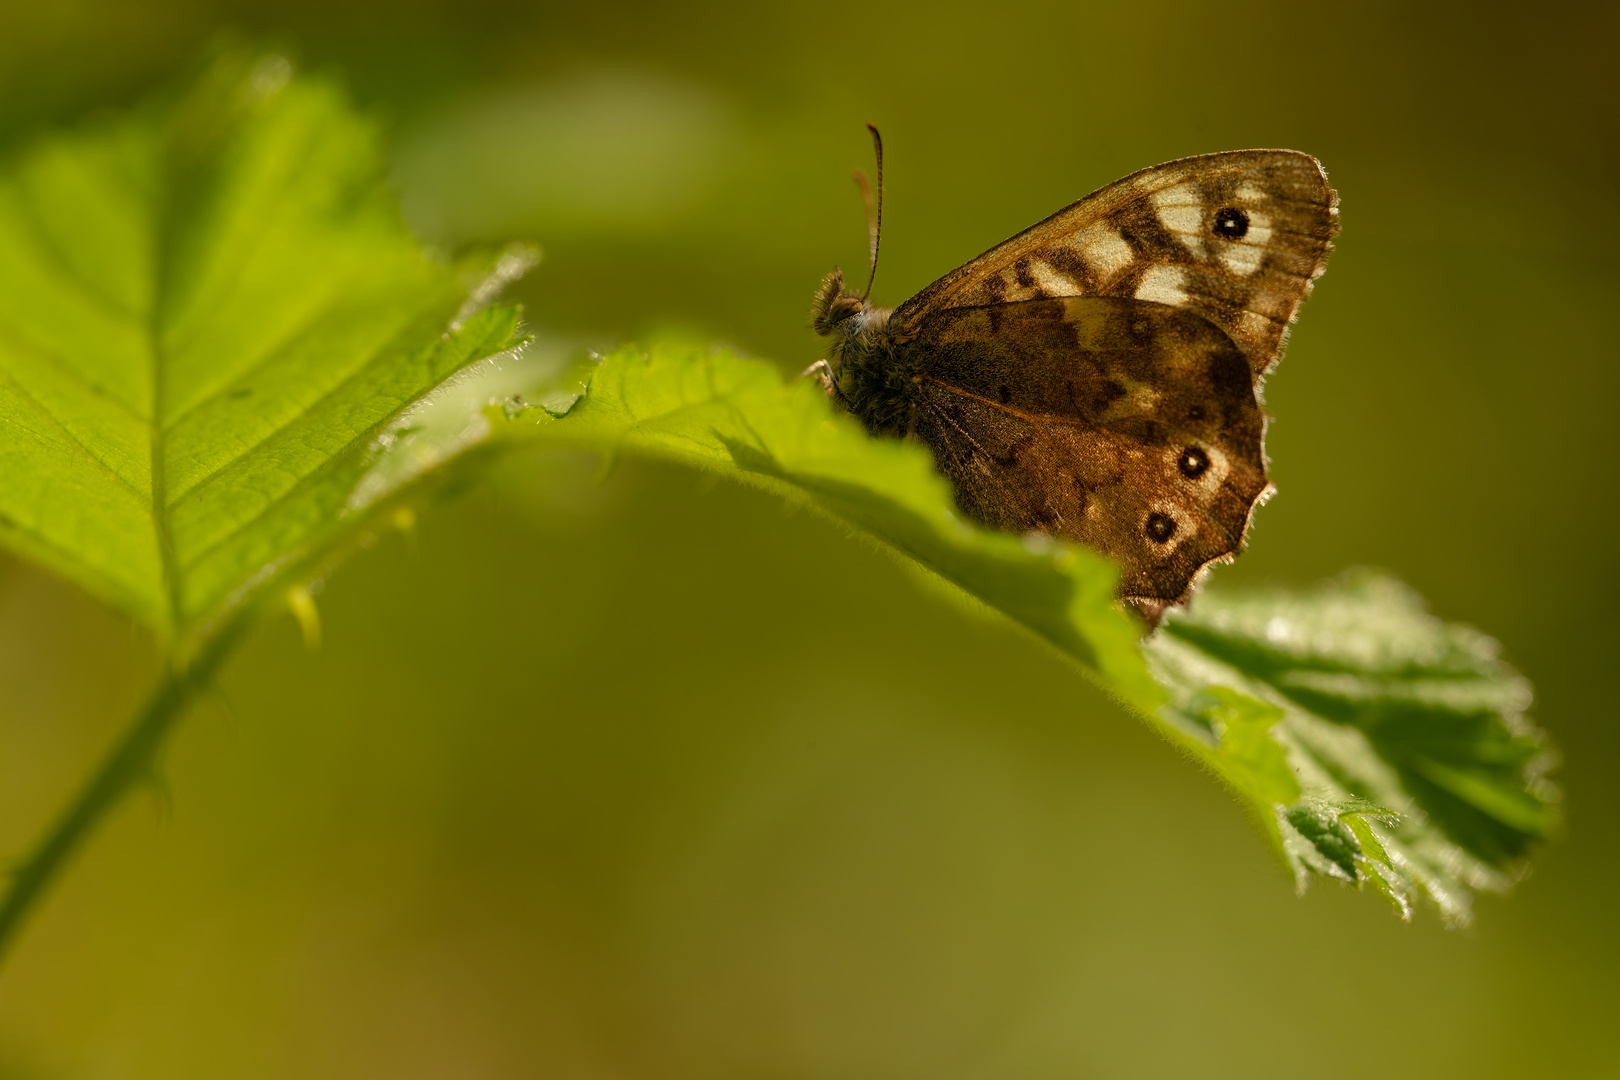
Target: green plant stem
128, 763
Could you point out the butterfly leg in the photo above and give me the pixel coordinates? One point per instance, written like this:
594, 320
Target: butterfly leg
823, 374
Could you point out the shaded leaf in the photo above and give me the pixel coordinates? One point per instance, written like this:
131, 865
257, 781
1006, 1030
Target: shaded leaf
1420, 774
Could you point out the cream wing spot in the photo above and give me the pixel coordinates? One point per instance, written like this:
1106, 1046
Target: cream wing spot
1242, 258
1178, 195
1163, 285
1104, 251
1044, 281
1050, 281
1255, 325
1249, 193
1181, 211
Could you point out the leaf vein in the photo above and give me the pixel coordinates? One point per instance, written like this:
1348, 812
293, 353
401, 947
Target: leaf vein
41, 408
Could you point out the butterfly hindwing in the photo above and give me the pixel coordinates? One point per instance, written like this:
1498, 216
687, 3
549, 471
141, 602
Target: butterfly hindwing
1127, 426
1238, 237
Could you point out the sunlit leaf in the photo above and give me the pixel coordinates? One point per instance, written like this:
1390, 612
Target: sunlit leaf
208, 308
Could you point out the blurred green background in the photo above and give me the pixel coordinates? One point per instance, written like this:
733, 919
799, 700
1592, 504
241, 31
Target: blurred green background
651, 779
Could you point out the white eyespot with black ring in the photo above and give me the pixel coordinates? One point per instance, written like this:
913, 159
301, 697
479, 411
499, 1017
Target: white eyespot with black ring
1165, 527
1198, 465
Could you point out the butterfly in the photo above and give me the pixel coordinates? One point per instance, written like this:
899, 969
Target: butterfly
1097, 377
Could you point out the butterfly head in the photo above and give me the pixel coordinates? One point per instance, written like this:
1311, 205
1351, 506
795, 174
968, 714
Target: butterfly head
838, 313
861, 373
833, 305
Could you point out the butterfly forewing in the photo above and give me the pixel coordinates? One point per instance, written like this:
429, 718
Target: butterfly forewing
1129, 427
1237, 237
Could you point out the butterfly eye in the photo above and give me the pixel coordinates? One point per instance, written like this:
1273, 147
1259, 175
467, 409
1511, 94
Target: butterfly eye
836, 312
1160, 527
1231, 223
1193, 463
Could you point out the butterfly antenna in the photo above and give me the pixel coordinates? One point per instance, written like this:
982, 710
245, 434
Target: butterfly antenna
874, 206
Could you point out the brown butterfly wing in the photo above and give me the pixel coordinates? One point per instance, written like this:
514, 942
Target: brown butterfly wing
1238, 237
1127, 426
1096, 376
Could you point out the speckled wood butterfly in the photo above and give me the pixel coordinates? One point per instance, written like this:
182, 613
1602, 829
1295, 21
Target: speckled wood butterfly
1097, 377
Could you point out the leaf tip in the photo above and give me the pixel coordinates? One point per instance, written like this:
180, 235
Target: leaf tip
515, 260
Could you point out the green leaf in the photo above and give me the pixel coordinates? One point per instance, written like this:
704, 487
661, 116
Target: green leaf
1370, 742
739, 419
1247, 755
1419, 772
208, 310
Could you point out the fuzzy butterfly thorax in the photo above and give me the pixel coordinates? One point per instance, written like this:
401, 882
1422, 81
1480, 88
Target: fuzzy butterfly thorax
873, 377
1097, 377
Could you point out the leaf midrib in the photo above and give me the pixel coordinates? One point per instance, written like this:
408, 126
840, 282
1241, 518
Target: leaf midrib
161, 252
